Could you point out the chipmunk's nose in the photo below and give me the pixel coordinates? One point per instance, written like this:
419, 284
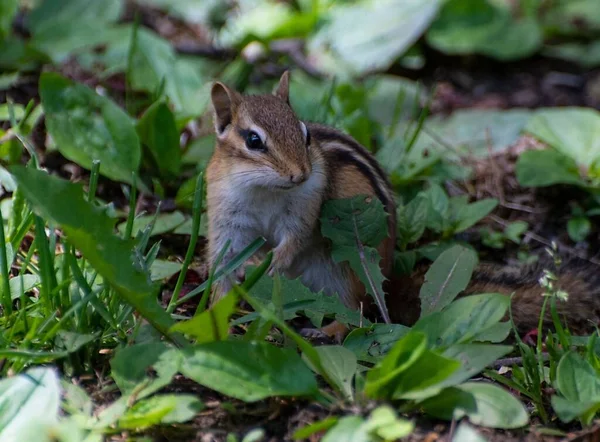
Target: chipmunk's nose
298, 178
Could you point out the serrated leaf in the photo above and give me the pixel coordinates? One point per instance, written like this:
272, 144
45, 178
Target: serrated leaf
91, 231
88, 127
356, 225
446, 278
297, 298
249, 371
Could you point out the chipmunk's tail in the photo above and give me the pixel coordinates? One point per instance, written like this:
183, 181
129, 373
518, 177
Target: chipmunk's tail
578, 278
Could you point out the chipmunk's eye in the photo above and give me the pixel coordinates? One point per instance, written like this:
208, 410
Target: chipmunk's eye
254, 142
307, 139
306, 134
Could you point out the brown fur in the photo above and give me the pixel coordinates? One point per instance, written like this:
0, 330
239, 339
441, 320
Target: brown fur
581, 312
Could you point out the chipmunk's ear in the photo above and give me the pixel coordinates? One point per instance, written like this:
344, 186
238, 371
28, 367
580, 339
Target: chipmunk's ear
283, 88
225, 102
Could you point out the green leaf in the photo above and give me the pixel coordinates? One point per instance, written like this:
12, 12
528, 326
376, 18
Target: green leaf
349, 428
158, 131
8, 10
579, 228
161, 409
514, 231
446, 278
249, 371
340, 363
17, 286
60, 29
165, 222
576, 379
472, 213
369, 344
384, 423
129, 367
473, 359
466, 433
463, 320
355, 226
404, 353
575, 132
484, 404
87, 127
378, 44
298, 298
91, 231
567, 410
540, 168
212, 324
31, 397
315, 427
412, 220
161, 269
475, 26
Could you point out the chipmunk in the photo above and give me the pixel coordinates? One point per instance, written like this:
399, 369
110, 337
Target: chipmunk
269, 176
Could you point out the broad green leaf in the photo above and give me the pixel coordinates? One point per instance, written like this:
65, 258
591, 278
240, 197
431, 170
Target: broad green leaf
62, 28
382, 378
483, 403
472, 213
425, 378
31, 397
91, 231
212, 324
18, 286
567, 410
577, 379
575, 132
378, 44
165, 222
76, 399
161, 409
158, 131
463, 320
540, 168
349, 428
585, 54
249, 371
129, 366
87, 127
355, 226
340, 363
161, 269
385, 423
579, 228
476, 26
473, 359
466, 433
446, 278
412, 220
370, 344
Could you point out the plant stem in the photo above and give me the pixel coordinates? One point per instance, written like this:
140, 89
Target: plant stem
197, 215
6, 298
